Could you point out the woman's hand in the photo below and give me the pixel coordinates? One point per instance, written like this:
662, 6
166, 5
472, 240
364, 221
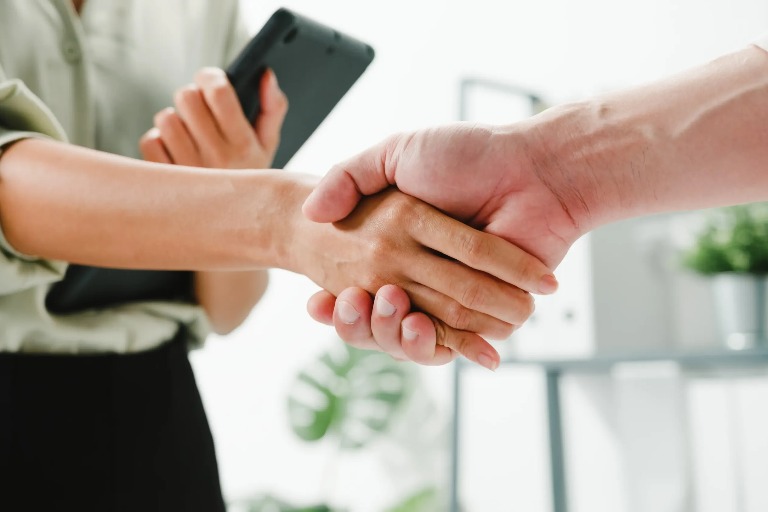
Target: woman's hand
207, 127
394, 239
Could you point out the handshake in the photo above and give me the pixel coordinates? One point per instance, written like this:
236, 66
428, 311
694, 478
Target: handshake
521, 227
464, 222
529, 190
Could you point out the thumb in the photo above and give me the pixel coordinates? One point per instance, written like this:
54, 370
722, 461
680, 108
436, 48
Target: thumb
341, 189
274, 105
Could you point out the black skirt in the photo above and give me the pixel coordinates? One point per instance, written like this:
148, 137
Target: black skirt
105, 433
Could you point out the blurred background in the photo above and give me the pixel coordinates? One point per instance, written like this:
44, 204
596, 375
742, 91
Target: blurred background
297, 417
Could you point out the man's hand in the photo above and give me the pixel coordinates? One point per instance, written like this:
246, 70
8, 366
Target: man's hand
486, 177
477, 174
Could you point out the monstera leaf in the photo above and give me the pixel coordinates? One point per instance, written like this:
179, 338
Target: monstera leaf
346, 392
272, 504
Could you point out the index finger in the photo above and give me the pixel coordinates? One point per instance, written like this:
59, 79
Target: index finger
487, 253
222, 100
428, 341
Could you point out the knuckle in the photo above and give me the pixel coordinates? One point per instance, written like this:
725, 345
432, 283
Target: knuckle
474, 247
458, 316
372, 281
472, 295
380, 251
403, 210
441, 334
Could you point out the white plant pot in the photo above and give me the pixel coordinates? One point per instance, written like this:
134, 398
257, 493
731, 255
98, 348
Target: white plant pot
740, 304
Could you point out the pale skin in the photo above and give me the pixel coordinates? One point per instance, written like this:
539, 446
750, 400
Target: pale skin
226, 224
144, 214
694, 140
179, 218
207, 129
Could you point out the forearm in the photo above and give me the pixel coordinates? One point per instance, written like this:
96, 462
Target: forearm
63, 202
696, 140
229, 297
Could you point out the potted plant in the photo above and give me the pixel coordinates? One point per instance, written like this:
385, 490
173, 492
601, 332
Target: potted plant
732, 250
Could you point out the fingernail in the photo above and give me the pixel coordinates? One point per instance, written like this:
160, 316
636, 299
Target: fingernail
487, 361
347, 313
409, 334
548, 284
384, 307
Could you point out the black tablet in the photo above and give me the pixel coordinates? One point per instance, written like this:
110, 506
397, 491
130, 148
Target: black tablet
315, 66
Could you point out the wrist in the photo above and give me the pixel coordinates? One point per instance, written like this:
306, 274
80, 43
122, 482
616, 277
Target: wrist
594, 158
693, 140
289, 227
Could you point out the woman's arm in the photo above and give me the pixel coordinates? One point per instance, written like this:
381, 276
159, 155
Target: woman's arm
207, 128
63, 202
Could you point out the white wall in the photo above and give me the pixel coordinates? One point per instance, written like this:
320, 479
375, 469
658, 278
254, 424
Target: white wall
563, 49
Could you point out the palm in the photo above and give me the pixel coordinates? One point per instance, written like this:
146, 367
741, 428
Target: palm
458, 170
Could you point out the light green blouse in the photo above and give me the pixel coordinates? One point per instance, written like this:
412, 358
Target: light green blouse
97, 80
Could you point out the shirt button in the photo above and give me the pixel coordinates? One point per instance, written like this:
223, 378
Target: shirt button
71, 51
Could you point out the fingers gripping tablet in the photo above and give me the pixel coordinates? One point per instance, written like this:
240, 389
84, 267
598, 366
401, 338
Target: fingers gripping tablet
315, 66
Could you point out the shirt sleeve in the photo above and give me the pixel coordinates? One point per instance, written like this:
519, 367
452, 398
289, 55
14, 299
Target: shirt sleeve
23, 115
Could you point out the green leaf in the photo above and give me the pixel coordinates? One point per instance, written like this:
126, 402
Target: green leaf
346, 392
425, 500
735, 239
272, 504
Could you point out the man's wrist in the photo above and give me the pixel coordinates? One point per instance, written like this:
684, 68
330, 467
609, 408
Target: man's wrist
593, 159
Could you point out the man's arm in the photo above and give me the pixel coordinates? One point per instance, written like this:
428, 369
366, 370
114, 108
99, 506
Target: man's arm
694, 140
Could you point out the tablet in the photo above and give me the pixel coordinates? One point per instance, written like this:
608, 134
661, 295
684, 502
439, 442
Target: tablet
315, 66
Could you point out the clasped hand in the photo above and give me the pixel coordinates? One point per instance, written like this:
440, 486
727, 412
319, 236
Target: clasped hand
463, 285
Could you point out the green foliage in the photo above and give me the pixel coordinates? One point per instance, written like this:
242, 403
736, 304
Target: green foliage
351, 395
425, 500
272, 504
346, 392
734, 240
